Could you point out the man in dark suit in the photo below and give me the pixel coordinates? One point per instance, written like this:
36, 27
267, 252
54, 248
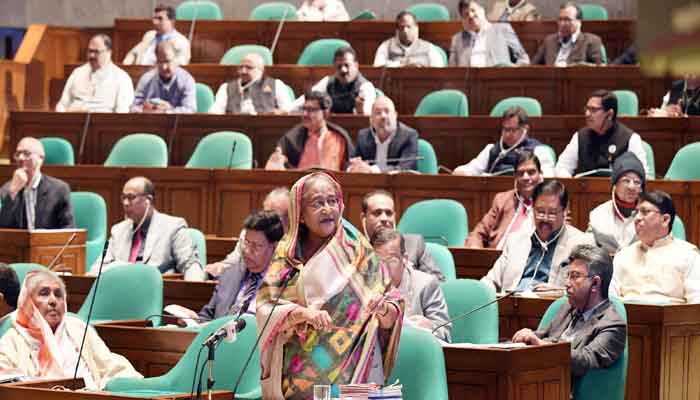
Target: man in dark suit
237, 287
31, 200
387, 145
569, 46
589, 320
378, 212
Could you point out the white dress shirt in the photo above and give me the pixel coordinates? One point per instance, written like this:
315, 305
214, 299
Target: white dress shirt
367, 92
284, 101
480, 164
109, 89
478, 57
565, 49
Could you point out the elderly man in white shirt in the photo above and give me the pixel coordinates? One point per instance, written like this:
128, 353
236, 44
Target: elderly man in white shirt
322, 10
98, 85
406, 48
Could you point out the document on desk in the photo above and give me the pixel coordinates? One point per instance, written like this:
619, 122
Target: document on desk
483, 346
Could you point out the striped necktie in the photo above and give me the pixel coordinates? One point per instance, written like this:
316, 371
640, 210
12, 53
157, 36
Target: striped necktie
247, 297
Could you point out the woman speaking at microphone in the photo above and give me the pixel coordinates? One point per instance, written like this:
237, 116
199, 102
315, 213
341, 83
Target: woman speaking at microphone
335, 322
44, 343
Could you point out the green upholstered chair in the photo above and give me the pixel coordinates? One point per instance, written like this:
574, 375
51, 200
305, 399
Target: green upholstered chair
138, 150
205, 97
429, 12
420, 366
531, 105
443, 54
321, 51
200, 243
593, 12
444, 102
428, 164
22, 269
58, 151
463, 295
627, 103
128, 291
551, 151
230, 358
685, 165
442, 221
597, 384
365, 15
603, 54
274, 11
235, 54
90, 211
444, 259
216, 151
290, 91
678, 228
198, 10
651, 164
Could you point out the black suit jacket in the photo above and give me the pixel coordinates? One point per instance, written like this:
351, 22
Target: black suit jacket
53, 206
403, 145
421, 259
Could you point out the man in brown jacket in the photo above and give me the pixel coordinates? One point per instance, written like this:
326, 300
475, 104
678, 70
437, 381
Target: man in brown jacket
510, 211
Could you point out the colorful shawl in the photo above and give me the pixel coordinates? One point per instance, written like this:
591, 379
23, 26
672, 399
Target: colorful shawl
340, 278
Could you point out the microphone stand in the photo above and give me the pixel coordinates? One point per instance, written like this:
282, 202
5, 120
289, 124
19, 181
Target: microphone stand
60, 252
470, 312
211, 349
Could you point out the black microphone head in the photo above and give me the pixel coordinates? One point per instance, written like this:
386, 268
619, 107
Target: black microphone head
240, 324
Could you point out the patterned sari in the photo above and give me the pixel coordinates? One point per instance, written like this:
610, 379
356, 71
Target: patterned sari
340, 278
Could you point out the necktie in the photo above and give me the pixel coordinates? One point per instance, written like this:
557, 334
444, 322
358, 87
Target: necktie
248, 296
135, 246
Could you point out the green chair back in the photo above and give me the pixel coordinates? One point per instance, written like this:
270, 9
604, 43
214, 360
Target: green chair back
444, 102
365, 15
603, 54
442, 221
200, 243
531, 105
627, 103
22, 269
463, 295
138, 150
274, 11
651, 164
90, 212
320, 52
608, 383
58, 151
685, 165
428, 164
551, 151
143, 285
444, 259
443, 54
205, 97
198, 10
230, 358
678, 228
593, 12
235, 54
216, 151
290, 91
429, 12
420, 366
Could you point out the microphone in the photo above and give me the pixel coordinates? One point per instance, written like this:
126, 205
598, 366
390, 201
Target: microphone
152, 316
192, 24
279, 31
171, 139
470, 312
398, 160
228, 332
233, 150
60, 252
92, 304
508, 170
83, 137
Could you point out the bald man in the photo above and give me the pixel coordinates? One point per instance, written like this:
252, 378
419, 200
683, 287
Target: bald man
31, 200
252, 92
387, 145
150, 237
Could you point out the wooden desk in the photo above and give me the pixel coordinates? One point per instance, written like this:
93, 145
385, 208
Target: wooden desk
664, 344
535, 372
42, 246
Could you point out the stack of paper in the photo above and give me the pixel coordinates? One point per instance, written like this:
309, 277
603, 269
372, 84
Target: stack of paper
392, 392
356, 391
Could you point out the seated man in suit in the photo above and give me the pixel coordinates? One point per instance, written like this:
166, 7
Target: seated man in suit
511, 211
32, 200
144, 53
513, 10
387, 145
536, 260
569, 46
425, 304
252, 92
483, 44
377, 213
588, 320
499, 158
315, 142
406, 48
658, 268
150, 237
9, 291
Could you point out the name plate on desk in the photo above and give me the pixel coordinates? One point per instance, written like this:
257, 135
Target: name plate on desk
42, 246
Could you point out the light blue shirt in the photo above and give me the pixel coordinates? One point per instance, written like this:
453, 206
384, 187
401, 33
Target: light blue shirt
180, 92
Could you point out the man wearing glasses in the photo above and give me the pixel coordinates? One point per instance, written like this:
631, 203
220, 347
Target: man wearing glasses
658, 268
149, 237
537, 260
588, 320
32, 200
144, 53
604, 138
98, 85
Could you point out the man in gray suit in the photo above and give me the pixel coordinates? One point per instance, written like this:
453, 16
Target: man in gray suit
378, 212
425, 304
238, 285
483, 44
589, 321
150, 237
